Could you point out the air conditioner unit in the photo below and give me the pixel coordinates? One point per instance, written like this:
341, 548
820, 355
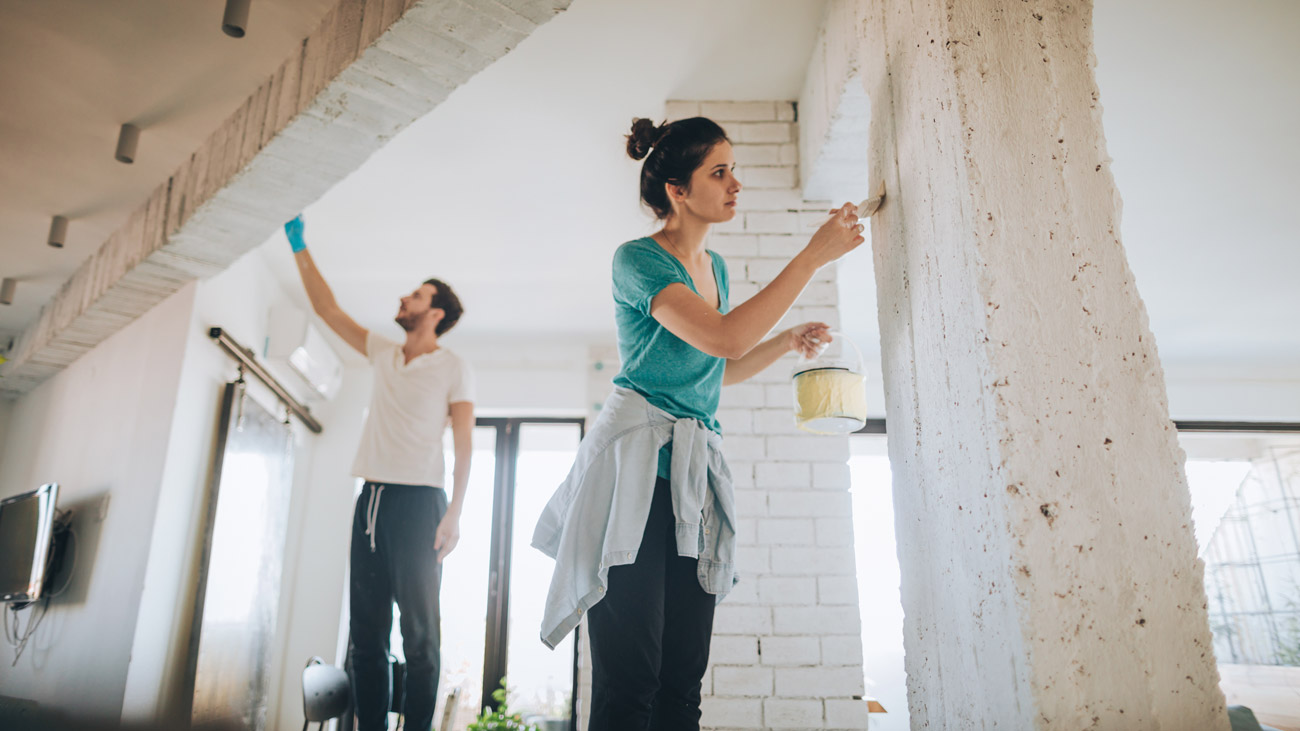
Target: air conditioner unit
296, 347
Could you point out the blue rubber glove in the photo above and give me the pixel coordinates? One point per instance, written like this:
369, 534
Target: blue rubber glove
293, 231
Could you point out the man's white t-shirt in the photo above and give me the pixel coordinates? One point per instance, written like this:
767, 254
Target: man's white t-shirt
401, 441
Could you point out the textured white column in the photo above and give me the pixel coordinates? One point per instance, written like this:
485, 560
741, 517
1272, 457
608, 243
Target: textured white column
1050, 577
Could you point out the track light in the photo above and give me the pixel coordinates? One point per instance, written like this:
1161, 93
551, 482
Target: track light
58, 232
127, 140
235, 21
7, 289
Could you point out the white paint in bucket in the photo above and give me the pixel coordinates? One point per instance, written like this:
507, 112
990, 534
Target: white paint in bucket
830, 393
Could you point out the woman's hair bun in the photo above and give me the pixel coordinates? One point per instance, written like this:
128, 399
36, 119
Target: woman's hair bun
645, 134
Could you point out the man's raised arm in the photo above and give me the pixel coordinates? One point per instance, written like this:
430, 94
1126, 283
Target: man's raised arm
322, 299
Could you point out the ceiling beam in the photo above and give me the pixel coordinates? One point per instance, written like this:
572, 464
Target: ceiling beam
370, 69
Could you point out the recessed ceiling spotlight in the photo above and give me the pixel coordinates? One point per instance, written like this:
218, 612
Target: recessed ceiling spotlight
235, 21
58, 232
127, 140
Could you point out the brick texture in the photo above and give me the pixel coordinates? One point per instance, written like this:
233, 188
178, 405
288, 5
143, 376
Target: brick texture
797, 601
787, 651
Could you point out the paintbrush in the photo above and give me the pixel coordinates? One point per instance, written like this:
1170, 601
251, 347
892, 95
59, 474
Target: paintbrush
869, 206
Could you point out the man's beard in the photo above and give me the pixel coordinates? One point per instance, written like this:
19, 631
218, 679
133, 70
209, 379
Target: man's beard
407, 322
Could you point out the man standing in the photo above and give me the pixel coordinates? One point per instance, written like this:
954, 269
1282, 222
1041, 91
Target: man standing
396, 551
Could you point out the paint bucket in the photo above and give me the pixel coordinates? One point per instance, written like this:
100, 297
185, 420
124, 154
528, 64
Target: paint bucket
830, 391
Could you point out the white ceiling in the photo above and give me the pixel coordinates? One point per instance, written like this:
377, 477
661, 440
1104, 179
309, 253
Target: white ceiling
516, 189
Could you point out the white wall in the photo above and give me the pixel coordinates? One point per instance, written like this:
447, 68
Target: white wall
135, 420
237, 300
1233, 393
518, 376
100, 429
316, 553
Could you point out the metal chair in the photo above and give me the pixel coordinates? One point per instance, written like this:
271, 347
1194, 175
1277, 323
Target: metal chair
325, 692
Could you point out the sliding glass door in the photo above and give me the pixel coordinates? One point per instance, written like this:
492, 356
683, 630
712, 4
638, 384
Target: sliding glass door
540, 679
494, 584
533, 456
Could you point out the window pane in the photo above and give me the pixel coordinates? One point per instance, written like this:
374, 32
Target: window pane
1252, 557
878, 574
540, 680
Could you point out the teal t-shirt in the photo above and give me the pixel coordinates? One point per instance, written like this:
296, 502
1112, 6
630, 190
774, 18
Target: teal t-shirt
670, 373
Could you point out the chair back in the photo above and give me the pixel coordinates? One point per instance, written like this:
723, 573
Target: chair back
325, 691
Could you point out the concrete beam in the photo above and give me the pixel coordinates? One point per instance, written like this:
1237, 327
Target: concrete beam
368, 71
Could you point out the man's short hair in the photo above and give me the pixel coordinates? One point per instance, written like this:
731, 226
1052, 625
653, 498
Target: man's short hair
447, 301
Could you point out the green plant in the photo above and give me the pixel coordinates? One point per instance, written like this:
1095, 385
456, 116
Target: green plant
501, 719
1288, 651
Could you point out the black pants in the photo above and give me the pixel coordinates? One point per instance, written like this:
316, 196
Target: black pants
393, 559
650, 635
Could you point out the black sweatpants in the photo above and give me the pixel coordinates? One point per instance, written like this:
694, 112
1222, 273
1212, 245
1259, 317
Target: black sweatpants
393, 532
650, 635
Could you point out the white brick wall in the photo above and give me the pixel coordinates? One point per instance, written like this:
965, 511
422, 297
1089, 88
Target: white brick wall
787, 651
787, 648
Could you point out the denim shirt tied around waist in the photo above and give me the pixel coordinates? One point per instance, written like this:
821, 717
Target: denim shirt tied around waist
596, 518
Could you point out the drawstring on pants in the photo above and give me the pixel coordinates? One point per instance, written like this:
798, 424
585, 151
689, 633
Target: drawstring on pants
372, 513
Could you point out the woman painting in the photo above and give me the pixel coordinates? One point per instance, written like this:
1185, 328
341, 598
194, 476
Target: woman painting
643, 528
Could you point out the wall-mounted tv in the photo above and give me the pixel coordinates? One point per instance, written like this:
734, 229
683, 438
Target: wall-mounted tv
26, 539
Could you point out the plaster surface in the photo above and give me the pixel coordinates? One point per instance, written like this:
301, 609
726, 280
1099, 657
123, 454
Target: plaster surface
1050, 577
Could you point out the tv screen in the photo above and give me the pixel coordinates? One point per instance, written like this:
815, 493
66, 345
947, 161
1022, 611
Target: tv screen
26, 531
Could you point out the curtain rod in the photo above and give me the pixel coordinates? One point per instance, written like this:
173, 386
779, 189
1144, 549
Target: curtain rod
249, 361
